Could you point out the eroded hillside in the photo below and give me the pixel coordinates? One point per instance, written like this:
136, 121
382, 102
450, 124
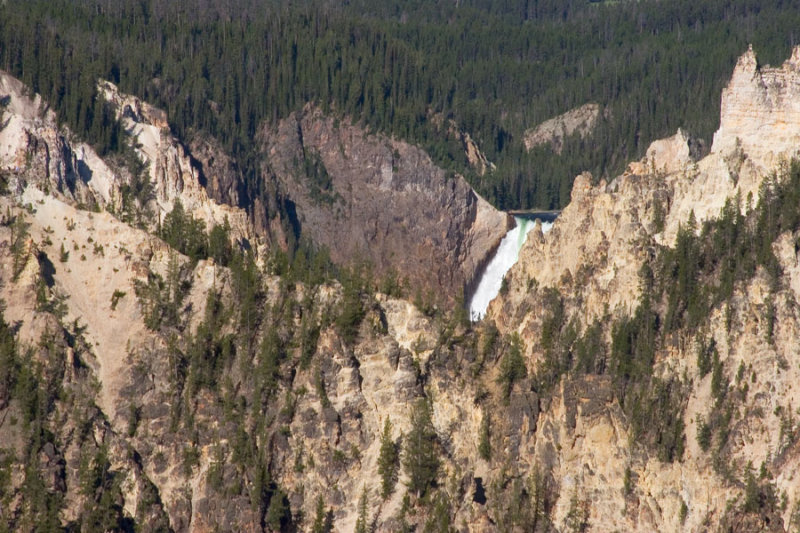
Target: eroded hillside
637, 373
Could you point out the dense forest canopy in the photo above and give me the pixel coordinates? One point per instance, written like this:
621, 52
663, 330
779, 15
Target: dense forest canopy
496, 68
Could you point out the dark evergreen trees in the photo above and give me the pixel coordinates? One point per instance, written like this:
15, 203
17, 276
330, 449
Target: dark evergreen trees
496, 69
388, 460
420, 459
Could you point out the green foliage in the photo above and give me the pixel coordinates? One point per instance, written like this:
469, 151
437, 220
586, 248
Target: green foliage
719, 384
388, 460
351, 310
320, 184
485, 438
19, 245
271, 354
421, 460
512, 367
247, 288
137, 192
590, 350
769, 319
438, 520
102, 508
191, 459
654, 406
362, 522
219, 243
259, 62
116, 297
160, 299
706, 353
703, 435
183, 233
323, 522
211, 350
759, 497
309, 337
319, 384
659, 216
216, 469
134, 417
577, 519
633, 345
279, 514
702, 270
627, 481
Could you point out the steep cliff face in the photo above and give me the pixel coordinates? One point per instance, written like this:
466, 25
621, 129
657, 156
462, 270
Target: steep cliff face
760, 111
34, 148
119, 312
370, 198
140, 388
594, 257
174, 173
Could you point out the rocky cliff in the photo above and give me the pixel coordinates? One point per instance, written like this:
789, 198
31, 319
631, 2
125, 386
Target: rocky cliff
139, 388
581, 121
174, 173
368, 198
594, 259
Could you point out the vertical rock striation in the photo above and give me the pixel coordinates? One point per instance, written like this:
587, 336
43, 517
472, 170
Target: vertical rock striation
368, 198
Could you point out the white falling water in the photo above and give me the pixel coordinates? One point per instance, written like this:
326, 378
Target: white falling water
505, 257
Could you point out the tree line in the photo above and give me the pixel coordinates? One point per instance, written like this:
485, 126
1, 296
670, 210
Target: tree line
495, 68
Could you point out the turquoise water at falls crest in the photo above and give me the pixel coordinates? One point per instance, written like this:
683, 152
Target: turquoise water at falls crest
504, 258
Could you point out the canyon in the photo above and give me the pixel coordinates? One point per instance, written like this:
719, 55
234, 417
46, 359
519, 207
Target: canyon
201, 396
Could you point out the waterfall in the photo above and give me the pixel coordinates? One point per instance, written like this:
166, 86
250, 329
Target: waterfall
505, 257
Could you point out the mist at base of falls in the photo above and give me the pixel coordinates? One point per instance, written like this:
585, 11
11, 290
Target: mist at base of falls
504, 258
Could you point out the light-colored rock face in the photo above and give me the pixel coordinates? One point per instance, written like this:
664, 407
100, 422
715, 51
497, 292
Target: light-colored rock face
593, 255
602, 236
172, 171
319, 431
33, 146
760, 111
580, 120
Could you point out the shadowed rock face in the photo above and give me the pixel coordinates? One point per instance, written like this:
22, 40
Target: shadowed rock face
370, 198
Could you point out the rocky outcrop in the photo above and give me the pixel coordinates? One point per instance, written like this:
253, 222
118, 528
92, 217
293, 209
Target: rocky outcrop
368, 198
603, 235
593, 256
33, 148
475, 157
174, 173
581, 120
220, 174
760, 111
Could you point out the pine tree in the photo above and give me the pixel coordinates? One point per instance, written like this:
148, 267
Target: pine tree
323, 523
484, 445
362, 521
19, 245
388, 460
421, 462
